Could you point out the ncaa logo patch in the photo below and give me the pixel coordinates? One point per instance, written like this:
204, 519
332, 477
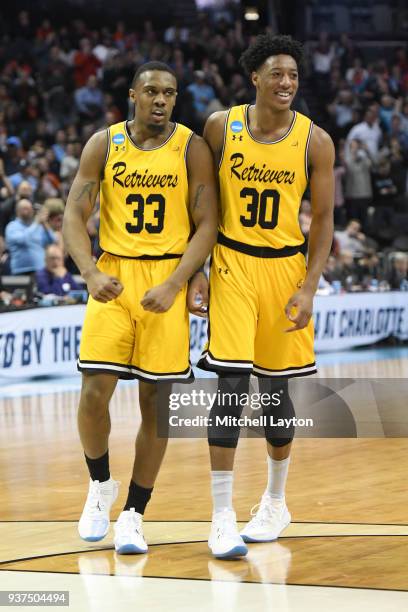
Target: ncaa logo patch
236, 126
118, 139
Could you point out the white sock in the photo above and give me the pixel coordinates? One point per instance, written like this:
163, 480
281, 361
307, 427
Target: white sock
221, 489
277, 476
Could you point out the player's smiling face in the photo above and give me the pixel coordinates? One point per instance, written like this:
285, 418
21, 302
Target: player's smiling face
154, 97
277, 81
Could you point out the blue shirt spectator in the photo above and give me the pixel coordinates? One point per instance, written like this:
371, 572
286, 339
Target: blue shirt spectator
89, 99
23, 174
201, 92
54, 278
26, 239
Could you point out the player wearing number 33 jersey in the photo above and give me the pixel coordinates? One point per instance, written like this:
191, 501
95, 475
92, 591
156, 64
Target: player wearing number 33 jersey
144, 230
158, 210
259, 261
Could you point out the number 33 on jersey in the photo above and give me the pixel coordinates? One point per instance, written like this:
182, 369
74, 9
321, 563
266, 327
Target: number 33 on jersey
144, 195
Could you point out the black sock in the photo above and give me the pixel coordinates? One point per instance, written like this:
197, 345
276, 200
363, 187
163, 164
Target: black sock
99, 468
137, 497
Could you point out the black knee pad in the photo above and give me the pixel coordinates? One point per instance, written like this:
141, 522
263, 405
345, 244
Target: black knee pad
222, 431
279, 427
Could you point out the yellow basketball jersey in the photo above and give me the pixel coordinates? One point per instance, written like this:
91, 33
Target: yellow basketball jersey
144, 195
261, 184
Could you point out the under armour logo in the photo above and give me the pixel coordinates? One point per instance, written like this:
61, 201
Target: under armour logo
237, 137
223, 270
295, 144
176, 149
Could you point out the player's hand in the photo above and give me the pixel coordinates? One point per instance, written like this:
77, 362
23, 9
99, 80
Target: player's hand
197, 295
299, 309
160, 299
102, 287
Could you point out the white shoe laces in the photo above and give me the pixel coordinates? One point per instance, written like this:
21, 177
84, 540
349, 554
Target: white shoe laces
266, 510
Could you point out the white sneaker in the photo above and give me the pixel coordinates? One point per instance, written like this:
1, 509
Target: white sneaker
271, 517
225, 541
94, 522
129, 539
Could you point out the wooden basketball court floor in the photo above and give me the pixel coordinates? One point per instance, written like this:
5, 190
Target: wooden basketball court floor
346, 548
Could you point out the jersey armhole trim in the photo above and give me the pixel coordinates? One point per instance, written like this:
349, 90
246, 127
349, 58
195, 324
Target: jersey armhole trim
224, 139
107, 153
186, 149
307, 151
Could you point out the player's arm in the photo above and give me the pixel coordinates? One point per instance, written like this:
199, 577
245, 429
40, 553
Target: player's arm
197, 296
203, 209
214, 135
80, 203
321, 156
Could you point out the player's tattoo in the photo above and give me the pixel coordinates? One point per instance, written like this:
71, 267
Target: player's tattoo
87, 188
197, 202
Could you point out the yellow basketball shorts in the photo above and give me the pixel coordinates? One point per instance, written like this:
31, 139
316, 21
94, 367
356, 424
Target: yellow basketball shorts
122, 338
247, 321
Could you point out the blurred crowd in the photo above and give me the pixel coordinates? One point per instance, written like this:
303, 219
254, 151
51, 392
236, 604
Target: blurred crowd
361, 98
59, 84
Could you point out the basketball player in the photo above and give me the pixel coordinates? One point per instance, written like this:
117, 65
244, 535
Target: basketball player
155, 180
261, 296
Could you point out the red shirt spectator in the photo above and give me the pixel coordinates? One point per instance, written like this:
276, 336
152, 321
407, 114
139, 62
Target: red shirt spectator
85, 63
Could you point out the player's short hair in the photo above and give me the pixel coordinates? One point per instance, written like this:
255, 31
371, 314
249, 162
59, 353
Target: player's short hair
152, 66
266, 45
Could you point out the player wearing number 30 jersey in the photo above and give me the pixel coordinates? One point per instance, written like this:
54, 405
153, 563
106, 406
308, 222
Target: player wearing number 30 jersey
261, 294
259, 261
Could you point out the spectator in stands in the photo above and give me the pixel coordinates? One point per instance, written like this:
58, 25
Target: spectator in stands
89, 100
387, 110
70, 162
12, 155
85, 63
356, 75
202, 94
347, 272
24, 173
55, 208
323, 55
25, 191
368, 131
404, 116
399, 271
27, 237
358, 180
4, 258
54, 277
351, 239
329, 271
399, 134
385, 190
342, 111
368, 267
6, 198
59, 146
398, 159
